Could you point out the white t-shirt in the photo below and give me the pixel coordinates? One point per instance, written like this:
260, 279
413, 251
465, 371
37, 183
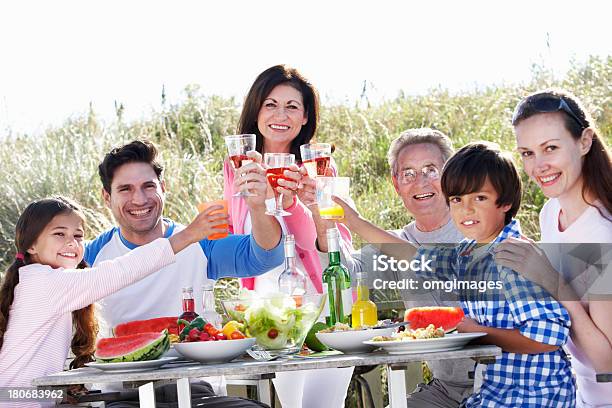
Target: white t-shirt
163, 289
590, 227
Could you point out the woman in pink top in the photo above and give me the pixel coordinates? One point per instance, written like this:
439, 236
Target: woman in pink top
48, 289
282, 110
563, 153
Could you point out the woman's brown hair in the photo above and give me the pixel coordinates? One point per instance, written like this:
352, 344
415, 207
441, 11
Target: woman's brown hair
596, 167
31, 223
261, 88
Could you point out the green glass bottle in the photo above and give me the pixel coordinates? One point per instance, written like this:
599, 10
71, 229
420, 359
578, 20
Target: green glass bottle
336, 284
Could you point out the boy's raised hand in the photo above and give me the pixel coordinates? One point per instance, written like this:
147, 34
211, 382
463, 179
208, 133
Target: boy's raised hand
205, 224
350, 214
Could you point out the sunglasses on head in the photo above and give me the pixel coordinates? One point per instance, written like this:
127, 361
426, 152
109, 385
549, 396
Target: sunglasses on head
549, 104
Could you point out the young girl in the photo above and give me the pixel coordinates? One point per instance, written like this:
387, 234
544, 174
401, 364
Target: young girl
49, 281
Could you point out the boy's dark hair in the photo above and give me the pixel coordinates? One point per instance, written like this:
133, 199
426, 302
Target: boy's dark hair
467, 171
138, 151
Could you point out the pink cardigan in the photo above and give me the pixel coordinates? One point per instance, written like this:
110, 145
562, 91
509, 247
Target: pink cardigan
299, 223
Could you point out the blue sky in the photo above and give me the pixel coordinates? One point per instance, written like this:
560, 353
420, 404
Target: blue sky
58, 56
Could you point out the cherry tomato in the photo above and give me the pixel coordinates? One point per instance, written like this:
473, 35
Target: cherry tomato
204, 336
220, 336
210, 329
237, 335
194, 334
272, 333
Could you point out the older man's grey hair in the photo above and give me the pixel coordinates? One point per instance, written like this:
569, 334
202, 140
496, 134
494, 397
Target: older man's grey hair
419, 136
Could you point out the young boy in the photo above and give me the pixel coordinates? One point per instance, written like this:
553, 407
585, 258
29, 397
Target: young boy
483, 189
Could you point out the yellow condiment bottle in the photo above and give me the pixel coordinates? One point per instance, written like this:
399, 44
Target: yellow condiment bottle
364, 312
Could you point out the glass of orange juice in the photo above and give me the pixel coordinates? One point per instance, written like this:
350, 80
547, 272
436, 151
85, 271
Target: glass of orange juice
203, 206
328, 187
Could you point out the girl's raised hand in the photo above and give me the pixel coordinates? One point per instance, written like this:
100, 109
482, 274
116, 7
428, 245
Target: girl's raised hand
202, 226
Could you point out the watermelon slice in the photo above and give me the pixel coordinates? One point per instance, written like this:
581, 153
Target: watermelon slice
446, 317
147, 326
135, 347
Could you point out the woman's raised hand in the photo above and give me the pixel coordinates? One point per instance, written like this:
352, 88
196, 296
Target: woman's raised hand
289, 188
252, 177
307, 192
525, 257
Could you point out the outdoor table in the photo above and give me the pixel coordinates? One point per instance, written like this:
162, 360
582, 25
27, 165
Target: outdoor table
180, 372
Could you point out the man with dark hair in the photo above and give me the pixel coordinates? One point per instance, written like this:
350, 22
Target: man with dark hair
134, 190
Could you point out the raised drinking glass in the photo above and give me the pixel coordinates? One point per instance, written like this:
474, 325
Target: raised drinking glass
276, 164
316, 158
238, 146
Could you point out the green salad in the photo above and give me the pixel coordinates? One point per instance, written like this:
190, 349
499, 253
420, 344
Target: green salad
275, 320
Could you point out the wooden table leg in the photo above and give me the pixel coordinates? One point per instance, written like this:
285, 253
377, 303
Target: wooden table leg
396, 383
146, 395
183, 392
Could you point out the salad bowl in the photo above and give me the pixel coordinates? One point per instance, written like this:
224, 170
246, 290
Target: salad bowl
277, 321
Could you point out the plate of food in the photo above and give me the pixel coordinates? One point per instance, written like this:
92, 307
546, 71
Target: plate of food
127, 366
214, 351
346, 339
429, 339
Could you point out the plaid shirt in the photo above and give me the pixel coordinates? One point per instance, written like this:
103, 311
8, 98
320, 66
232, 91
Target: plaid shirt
514, 380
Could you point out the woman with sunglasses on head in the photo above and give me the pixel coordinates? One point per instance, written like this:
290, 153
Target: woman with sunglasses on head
563, 153
282, 110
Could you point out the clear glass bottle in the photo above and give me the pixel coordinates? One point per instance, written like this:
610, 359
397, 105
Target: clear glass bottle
209, 312
336, 283
364, 312
292, 280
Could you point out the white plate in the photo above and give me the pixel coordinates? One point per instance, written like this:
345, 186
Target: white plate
131, 365
352, 341
453, 341
220, 351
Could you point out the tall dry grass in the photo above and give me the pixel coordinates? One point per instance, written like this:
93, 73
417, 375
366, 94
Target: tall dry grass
64, 159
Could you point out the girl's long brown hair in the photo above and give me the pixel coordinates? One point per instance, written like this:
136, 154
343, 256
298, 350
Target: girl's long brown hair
596, 165
31, 223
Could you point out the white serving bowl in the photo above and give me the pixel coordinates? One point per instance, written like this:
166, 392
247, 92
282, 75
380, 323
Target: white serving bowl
220, 351
351, 341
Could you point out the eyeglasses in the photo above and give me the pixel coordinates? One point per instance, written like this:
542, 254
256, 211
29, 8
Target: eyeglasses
548, 104
408, 176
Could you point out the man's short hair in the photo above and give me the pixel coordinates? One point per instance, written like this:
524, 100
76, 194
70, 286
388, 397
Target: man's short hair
419, 136
468, 169
138, 151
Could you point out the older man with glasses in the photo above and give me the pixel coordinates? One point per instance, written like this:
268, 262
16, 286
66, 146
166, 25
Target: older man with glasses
416, 159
